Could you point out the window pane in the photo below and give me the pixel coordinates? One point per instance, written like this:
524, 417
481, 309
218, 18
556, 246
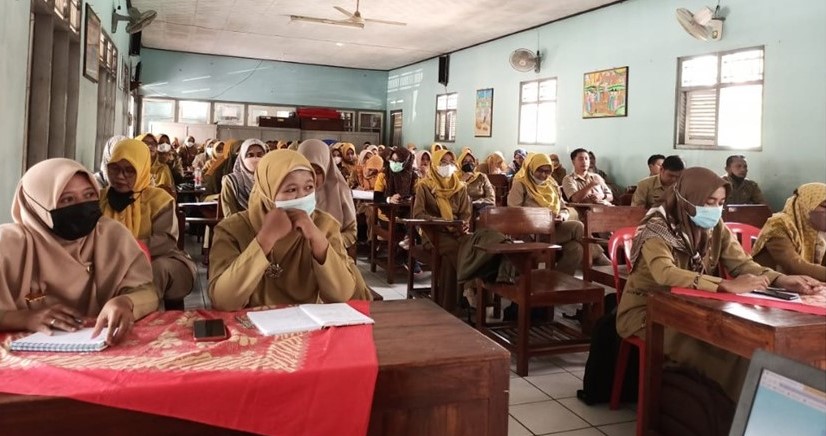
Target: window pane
527, 124
741, 67
546, 123
452, 101
701, 116
529, 92
254, 111
193, 112
229, 113
441, 102
740, 113
157, 111
701, 71
547, 90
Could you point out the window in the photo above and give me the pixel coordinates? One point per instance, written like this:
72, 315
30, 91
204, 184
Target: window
537, 112
193, 112
371, 122
157, 110
720, 100
107, 93
229, 113
347, 119
446, 117
255, 111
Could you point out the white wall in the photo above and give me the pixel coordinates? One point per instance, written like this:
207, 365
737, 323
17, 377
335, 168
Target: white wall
14, 47
645, 36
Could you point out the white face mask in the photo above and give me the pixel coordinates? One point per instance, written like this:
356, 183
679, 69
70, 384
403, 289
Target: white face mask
209, 152
337, 160
190, 143
306, 203
446, 171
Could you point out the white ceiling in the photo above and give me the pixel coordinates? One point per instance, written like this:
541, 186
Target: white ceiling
261, 29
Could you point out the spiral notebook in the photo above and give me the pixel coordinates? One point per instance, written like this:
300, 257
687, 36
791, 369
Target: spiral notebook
306, 317
80, 341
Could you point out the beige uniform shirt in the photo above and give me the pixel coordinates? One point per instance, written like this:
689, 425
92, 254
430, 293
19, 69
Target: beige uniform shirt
648, 193
746, 192
573, 183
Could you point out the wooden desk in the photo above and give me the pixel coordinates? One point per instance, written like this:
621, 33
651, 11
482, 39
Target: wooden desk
437, 376
738, 328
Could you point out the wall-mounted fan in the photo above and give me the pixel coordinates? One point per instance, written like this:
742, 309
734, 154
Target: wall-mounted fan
705, 25
525, 60
137, 20
354, 19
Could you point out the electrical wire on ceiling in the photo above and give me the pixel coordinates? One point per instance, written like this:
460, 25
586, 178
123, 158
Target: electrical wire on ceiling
239, 82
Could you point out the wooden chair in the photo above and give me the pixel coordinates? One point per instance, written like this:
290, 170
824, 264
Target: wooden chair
751, 214
417, 252
501, 186
626, 197
391, 237
604, 219
534, 288
210, 215
621, 240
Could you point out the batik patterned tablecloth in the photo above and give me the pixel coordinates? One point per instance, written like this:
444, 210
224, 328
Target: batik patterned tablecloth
312, 383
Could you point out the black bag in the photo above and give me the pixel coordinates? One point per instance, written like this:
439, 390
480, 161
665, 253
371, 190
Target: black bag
602, 359
693, 405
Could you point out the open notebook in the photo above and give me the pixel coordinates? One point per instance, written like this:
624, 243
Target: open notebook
67, 342
306, 317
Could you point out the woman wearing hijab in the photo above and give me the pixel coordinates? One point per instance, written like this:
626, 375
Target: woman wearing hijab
357, 176
100, 176
493, 164
203, 158
332, 193
236, 186
213, 167
519, 156
436, 147
187, 152
793, 241
348, 163
370, 174
160, 174
478, 186
682, 243
168, 157
533, 187
282, 250
62, 262
422, 164
442, 195
149, 214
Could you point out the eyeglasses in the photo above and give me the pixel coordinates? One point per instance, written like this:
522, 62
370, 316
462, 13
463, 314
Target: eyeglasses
117, 170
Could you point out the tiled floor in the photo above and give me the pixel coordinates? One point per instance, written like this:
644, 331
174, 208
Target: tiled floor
543, 403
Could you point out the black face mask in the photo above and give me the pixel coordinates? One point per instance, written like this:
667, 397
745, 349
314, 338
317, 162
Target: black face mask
737, 179
75, 221
468, 168
119, 200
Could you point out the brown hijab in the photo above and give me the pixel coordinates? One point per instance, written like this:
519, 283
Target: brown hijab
403, 182
83, 274
334, 196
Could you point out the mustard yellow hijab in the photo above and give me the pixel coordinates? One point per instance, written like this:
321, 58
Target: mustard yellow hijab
436, 147
160, 172
149, 201
271, 172
793, 223
474, 174
545, 193
218, 157
442, 188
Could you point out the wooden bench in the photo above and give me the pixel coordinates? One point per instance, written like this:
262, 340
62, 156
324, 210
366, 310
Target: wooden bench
751, 214
605, 219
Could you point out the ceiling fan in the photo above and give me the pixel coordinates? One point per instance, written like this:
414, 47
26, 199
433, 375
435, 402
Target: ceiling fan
354, 19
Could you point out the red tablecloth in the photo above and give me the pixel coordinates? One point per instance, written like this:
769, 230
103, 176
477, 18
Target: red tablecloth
318, 383
805, 306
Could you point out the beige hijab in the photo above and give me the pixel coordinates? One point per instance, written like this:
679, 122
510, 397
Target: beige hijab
83, 274
334, 196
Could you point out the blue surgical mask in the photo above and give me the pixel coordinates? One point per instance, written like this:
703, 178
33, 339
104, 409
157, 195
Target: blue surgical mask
396, 167
306, 203
707, 217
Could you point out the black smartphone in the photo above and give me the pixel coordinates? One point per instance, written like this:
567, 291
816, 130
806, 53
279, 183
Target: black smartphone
777, 293
209, 330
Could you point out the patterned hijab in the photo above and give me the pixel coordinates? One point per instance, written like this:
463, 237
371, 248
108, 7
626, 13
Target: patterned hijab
443, 188
793, 223
671, 221
241, 176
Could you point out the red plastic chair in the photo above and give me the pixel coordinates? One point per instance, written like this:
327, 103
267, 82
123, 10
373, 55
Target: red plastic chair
622, 238
745, 233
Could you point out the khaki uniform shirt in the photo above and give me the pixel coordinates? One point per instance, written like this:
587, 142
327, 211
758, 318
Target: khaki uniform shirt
746, 192
481, 191
779, 254
573, 183
648, 193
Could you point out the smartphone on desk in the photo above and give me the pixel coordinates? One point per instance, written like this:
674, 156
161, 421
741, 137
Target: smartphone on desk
779, 293
206, 330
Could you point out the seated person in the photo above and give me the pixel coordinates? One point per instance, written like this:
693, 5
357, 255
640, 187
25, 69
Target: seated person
348, 163
493, 164
422, 164
202, 158
331, 191
616, 190
442, 195
100, 176
655, 164
650, 189
161, 175
282, 250
519, 156
357, 176
583, 186
436, 147
559, 172
743, 190
236, 186
682, 243
792, 240
478, 186
167, 156
534, 187
188, 152
57, 236
149, 214
370, 172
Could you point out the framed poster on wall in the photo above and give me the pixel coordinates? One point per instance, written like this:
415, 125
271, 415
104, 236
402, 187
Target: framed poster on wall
484, 113
91, 47
605, 93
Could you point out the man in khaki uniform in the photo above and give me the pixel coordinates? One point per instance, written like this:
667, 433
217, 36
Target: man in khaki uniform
743, 191
650, 189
